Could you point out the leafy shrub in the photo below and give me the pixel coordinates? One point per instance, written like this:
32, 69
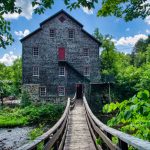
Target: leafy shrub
33, 114
35, 133
12, 117
25, 99
132, 116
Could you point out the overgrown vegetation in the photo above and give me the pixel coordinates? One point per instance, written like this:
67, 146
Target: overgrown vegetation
11, 78
132, 116
25, 99
33, 134
33, 114
129, 72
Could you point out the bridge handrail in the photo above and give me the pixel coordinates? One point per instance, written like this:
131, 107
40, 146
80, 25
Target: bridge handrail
72, 102
106, 133
51, 136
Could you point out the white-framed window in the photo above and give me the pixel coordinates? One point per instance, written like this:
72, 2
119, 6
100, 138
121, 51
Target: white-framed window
42, 91
86, 71
52, 33
35, 52
61, 90
35, 71
71, 33
86, 52
61, 71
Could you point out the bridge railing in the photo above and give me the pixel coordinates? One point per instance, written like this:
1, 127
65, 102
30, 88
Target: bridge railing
72, 102
101, 132
55, 137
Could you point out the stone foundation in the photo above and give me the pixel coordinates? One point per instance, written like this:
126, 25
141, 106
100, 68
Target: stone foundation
33, 90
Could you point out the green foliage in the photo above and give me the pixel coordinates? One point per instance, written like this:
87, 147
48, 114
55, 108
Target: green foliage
33, 114
25, 99
98, 141
130, 73
10, 78
127, 9
35, 133
12, 117
132, 116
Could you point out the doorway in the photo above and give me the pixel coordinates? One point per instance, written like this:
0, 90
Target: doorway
61, 53
79, 91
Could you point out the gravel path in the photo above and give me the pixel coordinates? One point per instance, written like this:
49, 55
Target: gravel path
12, 138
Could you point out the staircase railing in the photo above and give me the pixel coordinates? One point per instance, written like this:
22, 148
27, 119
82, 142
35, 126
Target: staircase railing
55, 137
102, 133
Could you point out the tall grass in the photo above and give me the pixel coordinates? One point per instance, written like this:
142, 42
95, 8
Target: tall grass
33, 114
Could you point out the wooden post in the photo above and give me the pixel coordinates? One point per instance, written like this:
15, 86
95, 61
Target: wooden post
123, 145
109, 135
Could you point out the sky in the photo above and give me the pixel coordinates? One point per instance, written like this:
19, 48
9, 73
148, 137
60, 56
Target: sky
125, 34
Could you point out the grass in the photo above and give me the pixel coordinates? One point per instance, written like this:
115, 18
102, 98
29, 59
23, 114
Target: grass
33, 114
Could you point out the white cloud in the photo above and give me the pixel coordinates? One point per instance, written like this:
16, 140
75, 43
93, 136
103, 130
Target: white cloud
148, 31
127, 29
147, 20
27, 10
8, 58
87, 11
129, 41
21, 34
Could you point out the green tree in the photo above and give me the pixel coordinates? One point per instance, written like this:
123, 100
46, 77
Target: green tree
11, 77
127, 9
140, 54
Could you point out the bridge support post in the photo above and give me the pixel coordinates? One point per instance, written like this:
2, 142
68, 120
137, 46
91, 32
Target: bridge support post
123, 145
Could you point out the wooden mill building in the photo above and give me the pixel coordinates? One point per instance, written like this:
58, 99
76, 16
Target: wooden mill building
59, 59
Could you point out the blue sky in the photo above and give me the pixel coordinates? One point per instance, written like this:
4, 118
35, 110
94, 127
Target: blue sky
125, 34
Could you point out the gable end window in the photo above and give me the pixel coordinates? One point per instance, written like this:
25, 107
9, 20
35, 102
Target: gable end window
35, 52
52, 33
87, 71
35, 71
61, 90
86, 52
71, 33
42, 91
61, 71
62, 19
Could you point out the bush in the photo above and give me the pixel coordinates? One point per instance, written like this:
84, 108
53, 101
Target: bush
35, 133
32, 114
25, 99
132, 116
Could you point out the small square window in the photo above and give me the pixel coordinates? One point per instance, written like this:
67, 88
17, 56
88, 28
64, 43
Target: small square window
87, 71
61, 71
35, 52
61, 91
71, 33
52, 33
42, 91
86, 52
35, 71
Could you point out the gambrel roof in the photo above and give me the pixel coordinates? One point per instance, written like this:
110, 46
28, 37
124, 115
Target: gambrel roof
55, 15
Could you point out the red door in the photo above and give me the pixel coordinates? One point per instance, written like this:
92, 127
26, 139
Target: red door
61, 53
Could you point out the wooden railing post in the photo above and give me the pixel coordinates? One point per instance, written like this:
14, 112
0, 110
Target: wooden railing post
109, 135
123, 145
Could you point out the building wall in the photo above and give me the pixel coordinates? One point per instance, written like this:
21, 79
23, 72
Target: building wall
48, 56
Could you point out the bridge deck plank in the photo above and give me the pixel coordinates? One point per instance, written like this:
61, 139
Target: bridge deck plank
78, 135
